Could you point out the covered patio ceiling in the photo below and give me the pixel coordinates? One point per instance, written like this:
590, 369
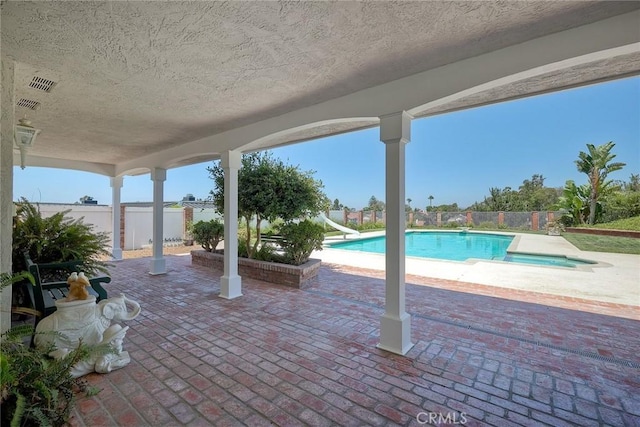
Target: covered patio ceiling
139, 85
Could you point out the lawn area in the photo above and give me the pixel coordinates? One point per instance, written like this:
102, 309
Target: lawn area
632, 223
591, 242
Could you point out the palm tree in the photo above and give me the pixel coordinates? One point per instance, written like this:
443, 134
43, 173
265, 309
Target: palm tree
430, 201
597, 165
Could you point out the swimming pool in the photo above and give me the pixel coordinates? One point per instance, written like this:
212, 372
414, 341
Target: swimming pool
459, 246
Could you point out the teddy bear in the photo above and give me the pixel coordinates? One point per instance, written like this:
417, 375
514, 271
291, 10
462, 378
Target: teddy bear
78, 284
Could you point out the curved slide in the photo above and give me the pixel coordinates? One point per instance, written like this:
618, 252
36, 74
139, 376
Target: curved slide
337, 226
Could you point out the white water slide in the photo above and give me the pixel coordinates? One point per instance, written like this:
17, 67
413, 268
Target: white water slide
337, 226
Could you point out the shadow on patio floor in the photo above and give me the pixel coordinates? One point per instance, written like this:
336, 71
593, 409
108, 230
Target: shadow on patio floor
290, 357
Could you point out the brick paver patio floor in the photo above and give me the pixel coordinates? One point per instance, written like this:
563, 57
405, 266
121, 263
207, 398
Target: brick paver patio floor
280, 356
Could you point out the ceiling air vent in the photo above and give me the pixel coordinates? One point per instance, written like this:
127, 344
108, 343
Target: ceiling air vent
42, 84
28, 103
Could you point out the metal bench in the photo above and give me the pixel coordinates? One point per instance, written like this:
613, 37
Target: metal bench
276, 239
51, 284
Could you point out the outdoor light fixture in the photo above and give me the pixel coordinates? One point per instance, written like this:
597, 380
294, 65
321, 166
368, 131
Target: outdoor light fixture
24, 137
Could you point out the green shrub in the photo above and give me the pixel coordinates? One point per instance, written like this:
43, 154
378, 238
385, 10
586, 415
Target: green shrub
300, 239
208, 234
242, 248
37, 390
451, 224
57, 238
265, 252
369, 226
488, 224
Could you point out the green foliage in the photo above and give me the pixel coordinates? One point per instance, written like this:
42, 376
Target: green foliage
453, 207
7, 279
34, 389
300, 239
452, 224
532, 195
632, 224
623, 201
242, 248
375, 205
633, 184
57, 238
269, 189
597, 163
488, 225
207, 233
267, 252
573, 203
368, 226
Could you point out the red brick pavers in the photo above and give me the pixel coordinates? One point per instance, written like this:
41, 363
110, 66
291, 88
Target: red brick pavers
281, 356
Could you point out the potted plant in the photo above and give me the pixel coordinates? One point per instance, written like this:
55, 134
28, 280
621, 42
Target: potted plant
554, 228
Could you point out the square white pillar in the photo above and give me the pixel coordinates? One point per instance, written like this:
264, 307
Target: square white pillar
7, 123
395, 324
231, 282
116, 187
158, 263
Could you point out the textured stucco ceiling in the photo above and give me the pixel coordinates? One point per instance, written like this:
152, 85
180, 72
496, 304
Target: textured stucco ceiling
138, 77
593, 72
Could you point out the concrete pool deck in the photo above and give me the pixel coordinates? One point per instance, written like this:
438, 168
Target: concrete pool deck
615, 279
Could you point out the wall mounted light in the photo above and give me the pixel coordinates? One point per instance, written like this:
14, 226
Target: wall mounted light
24, 138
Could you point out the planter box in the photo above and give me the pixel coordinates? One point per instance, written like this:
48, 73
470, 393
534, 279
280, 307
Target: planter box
282, 274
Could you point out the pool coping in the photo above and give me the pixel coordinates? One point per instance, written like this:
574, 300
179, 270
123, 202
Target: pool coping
614, 281
511, 250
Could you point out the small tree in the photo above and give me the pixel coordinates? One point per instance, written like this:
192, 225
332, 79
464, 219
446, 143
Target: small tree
375, 204
269, 189
207, 233
596, 163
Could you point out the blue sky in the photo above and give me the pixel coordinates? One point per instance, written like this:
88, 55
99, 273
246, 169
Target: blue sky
455, 157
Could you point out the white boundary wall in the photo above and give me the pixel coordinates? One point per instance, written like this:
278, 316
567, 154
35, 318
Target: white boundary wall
205, 215
97, 215
138, 228
138, 221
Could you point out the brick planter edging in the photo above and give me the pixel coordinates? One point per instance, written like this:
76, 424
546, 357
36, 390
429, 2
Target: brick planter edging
604, 232
295, 276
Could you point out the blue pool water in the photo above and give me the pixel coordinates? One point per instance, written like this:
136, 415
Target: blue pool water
458, 246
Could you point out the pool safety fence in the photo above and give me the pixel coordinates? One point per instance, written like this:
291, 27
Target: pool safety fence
536, 220
136, 221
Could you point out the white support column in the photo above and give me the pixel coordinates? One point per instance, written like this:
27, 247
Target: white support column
230, 282
158, 264
395, 324
7, 122
116, 186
